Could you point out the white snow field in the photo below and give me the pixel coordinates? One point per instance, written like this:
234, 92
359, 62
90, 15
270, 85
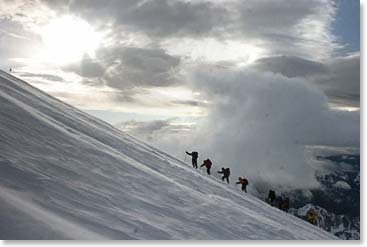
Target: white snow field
67, 175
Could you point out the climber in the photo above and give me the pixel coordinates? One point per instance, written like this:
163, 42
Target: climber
279, 201
226, 172
285, 204
271, 197
208, 164
244, 183
312, 216
195, 156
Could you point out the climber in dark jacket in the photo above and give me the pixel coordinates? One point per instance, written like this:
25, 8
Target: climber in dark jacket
208, 164
279, 202
195, 156
226, 172
271, 197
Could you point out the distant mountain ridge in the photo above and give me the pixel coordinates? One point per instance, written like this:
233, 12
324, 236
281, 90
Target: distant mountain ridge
337, 201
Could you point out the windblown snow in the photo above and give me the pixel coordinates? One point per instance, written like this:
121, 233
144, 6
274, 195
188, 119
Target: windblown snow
67, 175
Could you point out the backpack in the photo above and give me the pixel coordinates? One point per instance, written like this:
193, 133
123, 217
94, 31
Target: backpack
227, 172
208, 163
245, 182
194, 154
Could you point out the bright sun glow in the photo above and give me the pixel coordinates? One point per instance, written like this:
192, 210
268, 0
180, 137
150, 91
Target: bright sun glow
67, 39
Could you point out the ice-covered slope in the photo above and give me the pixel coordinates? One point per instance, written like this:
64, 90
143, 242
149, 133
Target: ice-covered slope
67, 175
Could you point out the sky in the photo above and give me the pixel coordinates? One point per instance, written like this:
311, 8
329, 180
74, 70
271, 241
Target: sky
248, 83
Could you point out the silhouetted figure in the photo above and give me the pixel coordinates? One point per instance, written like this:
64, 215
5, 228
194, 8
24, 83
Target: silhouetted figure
195, 156
208, 164
285, 204
271, 197
244, 183
279, 202
226, 172
10, 70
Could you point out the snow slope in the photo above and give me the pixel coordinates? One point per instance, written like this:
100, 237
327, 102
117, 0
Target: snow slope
67, 175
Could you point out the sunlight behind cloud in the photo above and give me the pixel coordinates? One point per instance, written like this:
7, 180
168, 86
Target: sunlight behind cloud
67, 39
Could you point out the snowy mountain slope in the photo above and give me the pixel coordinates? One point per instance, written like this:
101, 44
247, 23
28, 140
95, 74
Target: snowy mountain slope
67, 175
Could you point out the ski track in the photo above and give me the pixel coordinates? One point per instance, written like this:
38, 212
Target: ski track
83, 179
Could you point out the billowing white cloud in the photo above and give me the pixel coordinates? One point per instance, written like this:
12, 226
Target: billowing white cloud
259, 125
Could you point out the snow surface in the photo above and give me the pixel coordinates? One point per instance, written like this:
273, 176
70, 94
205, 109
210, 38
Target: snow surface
67, 175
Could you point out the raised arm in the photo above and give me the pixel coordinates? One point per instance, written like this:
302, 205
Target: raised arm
188, 153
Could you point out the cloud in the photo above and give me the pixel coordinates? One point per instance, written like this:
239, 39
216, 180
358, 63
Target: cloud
280, 27
155, 18
144, 127
128, 68
338, 77
193, 103
162, 133
291, 66
167, 18
16, 41
48, 77
293, 28
259, 125
343, 82
87, 67
141, 67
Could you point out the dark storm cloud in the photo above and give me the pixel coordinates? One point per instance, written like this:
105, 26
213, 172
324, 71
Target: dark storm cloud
339, 78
